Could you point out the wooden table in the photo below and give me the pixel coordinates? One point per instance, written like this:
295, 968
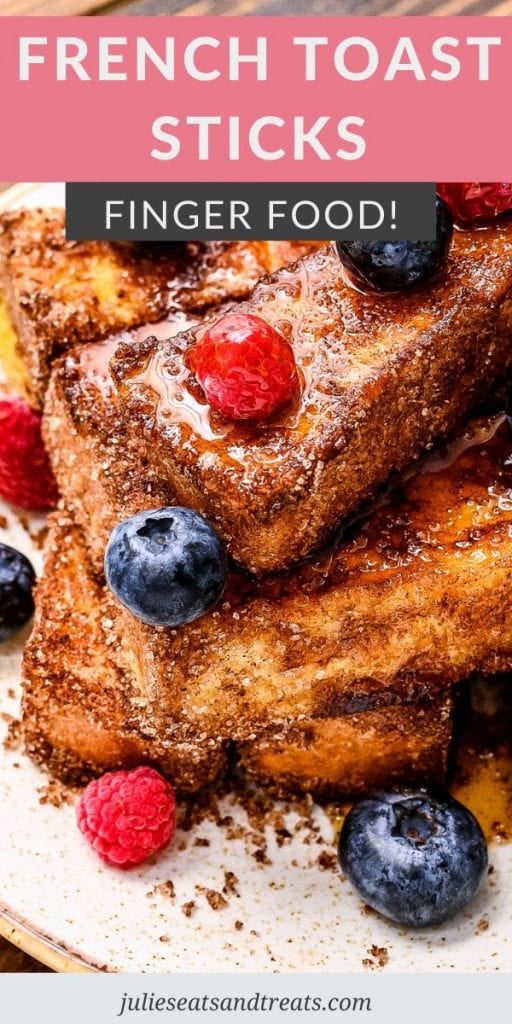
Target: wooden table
190, 7
12, 959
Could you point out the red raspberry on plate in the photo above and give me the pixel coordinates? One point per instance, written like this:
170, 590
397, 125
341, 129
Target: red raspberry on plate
246, 368
127, 816
26, 478
471, 201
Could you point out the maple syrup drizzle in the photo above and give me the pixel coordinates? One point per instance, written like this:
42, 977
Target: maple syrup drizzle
95, 359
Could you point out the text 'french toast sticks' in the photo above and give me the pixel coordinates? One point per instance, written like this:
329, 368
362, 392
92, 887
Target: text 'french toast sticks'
383, 376
84, 712
59, 293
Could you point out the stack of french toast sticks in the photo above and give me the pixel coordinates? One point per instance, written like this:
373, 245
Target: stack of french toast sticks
369, 527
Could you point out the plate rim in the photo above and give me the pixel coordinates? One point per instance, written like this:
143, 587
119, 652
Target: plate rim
13, 193
41, 947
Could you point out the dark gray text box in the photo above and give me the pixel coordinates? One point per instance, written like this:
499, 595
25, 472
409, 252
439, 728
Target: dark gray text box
177, 211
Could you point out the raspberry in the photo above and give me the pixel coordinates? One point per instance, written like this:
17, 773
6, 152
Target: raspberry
246, 369
26, 478
470, 201
127, 816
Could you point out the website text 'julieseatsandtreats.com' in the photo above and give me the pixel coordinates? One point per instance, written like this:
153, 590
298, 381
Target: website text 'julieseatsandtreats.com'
255, 509
256, 1003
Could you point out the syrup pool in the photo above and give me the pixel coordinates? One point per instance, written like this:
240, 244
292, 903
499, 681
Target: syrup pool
481, 771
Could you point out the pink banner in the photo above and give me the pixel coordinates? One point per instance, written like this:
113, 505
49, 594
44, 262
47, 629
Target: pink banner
255, 99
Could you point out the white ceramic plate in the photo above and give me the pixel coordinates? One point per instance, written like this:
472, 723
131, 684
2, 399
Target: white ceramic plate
59, 902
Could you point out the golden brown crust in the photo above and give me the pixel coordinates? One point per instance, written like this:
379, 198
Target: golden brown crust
356, 753
83, 714
385, 375
60, 293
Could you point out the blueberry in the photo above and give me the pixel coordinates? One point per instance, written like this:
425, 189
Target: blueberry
417, 857
394, 266
167, 566
17, 580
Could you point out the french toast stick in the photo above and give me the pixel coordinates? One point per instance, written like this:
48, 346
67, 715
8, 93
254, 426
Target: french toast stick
59, 293
417, 596
83, 713
356, 753
384, 376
